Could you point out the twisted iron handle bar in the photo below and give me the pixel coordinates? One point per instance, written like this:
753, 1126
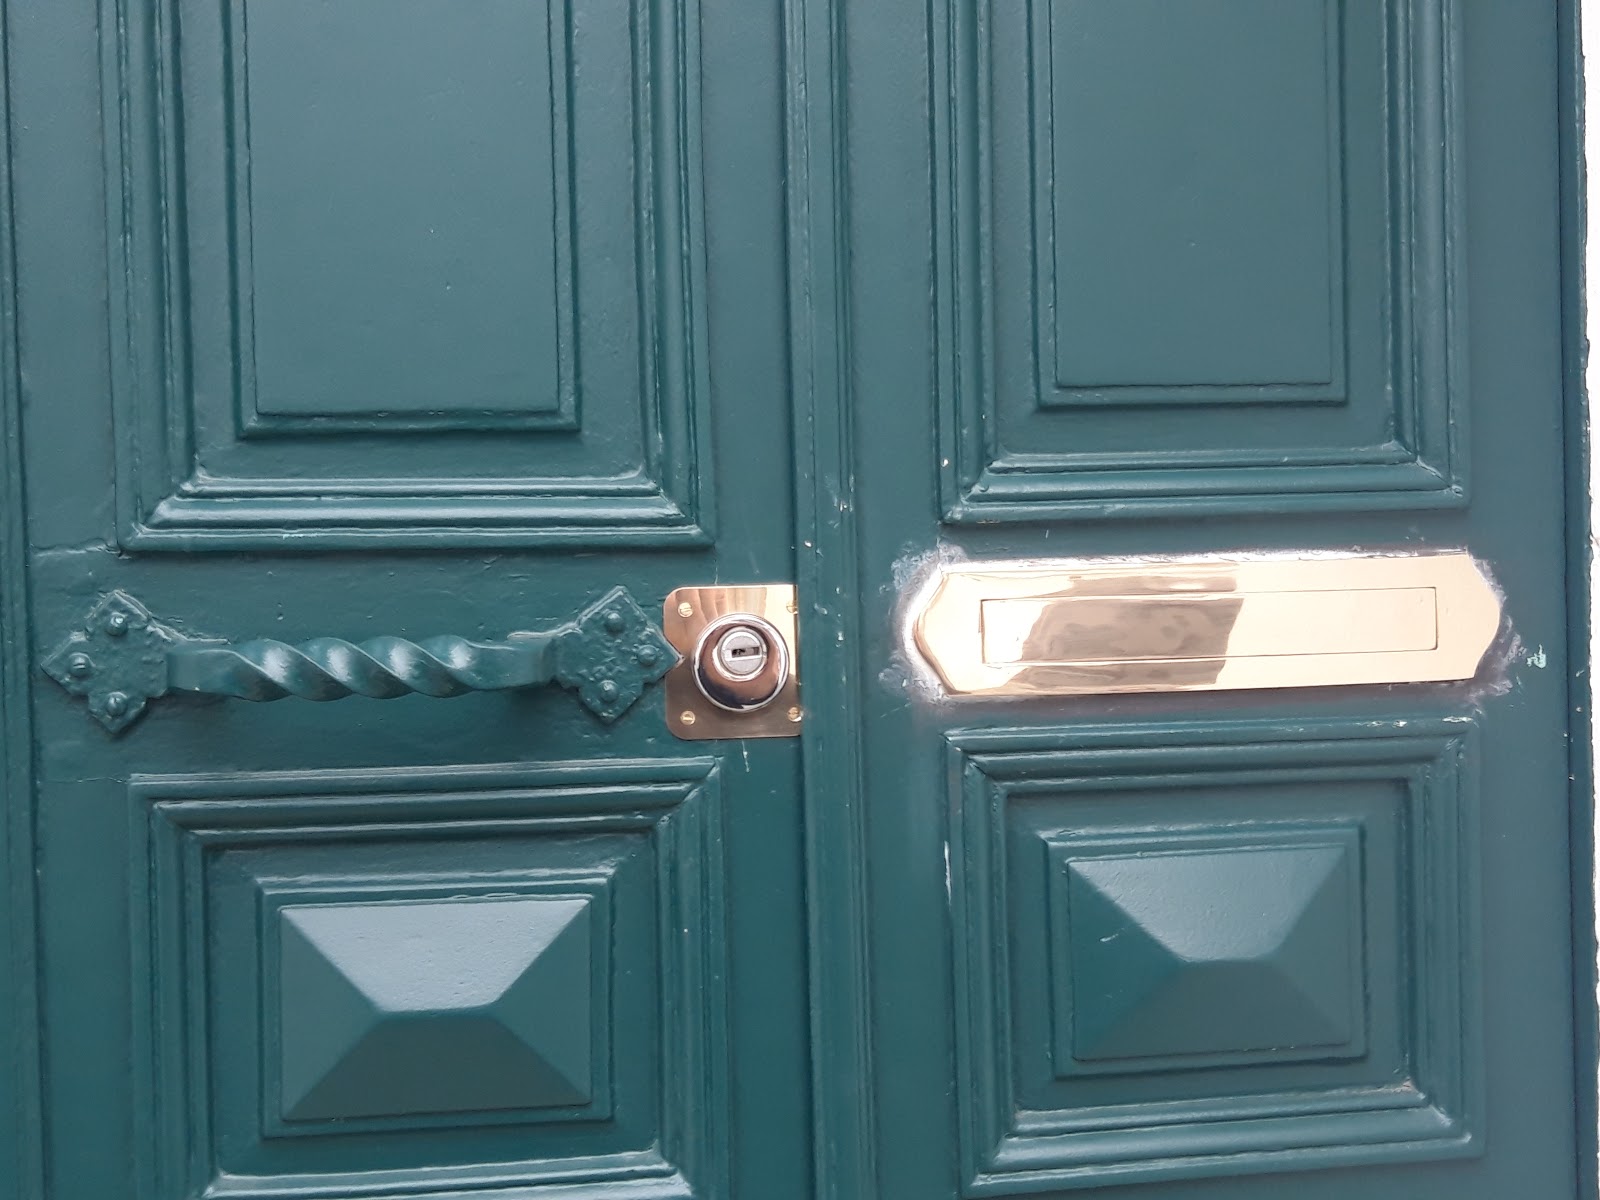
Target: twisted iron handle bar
381, 668
123, 658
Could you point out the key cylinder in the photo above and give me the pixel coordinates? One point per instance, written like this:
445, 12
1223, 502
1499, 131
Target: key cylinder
740, 663
741, 652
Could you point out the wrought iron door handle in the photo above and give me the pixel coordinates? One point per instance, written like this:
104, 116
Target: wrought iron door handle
124, 657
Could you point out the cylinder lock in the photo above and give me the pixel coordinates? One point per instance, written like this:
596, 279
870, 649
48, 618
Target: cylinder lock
739, 666
740, 662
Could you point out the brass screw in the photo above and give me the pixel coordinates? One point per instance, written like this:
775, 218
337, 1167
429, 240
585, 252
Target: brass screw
686, 717
685, 609
795, 713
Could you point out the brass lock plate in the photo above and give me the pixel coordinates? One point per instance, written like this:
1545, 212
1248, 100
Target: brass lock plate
728, 663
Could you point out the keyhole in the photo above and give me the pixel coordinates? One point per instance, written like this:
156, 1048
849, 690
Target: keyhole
742, 651
741, 663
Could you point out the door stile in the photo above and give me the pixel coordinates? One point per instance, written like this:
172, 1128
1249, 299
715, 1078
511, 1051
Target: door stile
828, 575
21, 1088
1580, 683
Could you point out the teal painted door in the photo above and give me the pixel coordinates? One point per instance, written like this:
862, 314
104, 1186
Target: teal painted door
1141, 278
418, 349
411, 324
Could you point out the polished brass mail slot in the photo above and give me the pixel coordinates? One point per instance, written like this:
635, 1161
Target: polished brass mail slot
1087, 627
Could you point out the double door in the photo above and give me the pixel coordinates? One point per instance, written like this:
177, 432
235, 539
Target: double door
418, 355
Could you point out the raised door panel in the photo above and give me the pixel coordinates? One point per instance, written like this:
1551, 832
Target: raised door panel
378, 287
1195, 257
431, 982
1212, 948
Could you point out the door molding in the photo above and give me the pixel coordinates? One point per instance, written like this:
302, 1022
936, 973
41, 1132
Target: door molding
828, 575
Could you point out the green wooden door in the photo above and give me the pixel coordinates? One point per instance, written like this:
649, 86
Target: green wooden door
1138, 279
349, 343
413, 325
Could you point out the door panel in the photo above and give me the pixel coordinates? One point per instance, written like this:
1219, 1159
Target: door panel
1232, 229
358, 320
1244, 939
548, 314
1213, 278
462, 967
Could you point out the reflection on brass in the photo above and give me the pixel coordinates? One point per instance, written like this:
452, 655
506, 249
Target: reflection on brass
694, 620
1064, 628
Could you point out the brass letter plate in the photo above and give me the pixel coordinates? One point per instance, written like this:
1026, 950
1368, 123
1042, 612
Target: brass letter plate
1064, 628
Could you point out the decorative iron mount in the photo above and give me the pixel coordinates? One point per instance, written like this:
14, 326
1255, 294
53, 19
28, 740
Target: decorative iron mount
123, 658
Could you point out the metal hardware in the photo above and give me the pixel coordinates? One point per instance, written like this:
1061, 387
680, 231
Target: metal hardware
741, 651
740, 663
739, 675
123, 658
1064, 628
